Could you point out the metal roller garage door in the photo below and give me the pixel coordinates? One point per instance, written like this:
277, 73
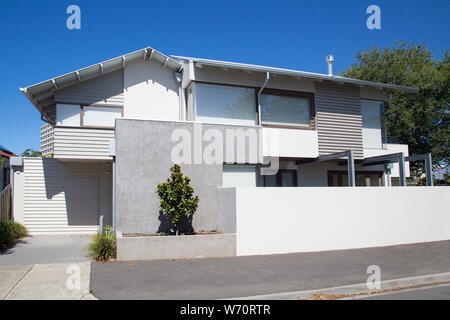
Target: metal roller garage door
64, 197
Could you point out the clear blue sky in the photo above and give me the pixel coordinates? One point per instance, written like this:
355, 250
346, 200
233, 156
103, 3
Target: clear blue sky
36, 45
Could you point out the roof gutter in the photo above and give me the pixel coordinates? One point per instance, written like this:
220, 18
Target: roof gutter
296, 73
33, 101
93, 71
259, 97
178, 78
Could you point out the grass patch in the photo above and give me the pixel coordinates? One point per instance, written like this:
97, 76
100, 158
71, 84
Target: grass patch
103, 247
10, 232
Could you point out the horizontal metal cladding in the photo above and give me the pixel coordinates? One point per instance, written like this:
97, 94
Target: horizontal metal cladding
82, 143
107, 90
338, 118
63, 198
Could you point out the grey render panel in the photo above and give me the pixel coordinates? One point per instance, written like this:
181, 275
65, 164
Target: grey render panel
338, 119
186, 247
227, 210
143, 159
107, 89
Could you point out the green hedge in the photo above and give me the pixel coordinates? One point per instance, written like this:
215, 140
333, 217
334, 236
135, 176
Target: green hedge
10, 232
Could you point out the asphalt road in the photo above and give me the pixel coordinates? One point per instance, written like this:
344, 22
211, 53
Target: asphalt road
436, 293
256, 275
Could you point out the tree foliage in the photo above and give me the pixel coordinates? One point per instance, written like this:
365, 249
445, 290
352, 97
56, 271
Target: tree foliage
177, 199
31, 153
420, 120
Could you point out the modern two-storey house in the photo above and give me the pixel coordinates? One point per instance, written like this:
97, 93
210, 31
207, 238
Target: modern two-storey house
120, 124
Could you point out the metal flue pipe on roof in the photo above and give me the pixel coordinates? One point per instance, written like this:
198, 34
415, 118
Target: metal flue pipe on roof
330, 60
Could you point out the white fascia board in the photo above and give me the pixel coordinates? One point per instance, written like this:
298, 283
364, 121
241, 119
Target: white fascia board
297, 73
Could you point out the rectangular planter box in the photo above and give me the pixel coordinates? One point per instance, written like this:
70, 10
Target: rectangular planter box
175, 247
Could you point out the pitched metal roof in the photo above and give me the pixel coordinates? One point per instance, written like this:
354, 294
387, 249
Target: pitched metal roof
295, 73
42, 94
6, 153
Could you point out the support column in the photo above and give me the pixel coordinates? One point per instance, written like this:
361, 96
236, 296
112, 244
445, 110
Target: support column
401, 169
351, 169
429, 169
114, 193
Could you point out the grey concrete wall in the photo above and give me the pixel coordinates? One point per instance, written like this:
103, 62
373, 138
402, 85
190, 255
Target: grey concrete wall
180, 247
227, 210
143, 159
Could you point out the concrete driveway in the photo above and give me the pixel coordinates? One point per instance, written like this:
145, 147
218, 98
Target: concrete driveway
46, 250
40, 267
58, 281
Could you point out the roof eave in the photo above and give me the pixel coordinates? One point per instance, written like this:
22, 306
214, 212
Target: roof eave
296, 73
93, 71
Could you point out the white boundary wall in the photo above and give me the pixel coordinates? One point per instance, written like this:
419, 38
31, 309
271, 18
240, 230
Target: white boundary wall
282, 220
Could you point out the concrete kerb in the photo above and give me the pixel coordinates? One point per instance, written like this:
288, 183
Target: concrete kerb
354, 288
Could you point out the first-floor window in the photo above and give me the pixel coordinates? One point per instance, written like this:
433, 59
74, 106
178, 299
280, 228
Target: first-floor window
223, 104
101, 116
73, 115
373, 130
286, 108
68, 115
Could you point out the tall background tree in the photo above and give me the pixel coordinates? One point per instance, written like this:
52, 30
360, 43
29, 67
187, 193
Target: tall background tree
31, 153
420, 120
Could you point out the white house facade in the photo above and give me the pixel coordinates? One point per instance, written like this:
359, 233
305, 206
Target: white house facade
116, 125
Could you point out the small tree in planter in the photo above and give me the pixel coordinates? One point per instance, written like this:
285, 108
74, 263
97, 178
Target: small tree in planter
177, 197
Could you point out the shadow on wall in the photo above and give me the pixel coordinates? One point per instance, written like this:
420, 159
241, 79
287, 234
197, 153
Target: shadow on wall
107, 88
167, 226
86, 189
149, 71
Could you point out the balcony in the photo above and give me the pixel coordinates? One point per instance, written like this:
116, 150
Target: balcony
82, 143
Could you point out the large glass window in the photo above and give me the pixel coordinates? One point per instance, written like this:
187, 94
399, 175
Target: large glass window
100, 116
95, 116
373, 127
286, 109
68, 115
224, 104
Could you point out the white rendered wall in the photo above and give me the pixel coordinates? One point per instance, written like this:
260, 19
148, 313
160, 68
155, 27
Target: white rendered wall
389, 149
151, 92
279, 142
283, 220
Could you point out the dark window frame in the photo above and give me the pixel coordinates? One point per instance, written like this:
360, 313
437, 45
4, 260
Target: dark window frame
272, 91
278, 177
225, 84
342, 173
296, 94
83, 105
